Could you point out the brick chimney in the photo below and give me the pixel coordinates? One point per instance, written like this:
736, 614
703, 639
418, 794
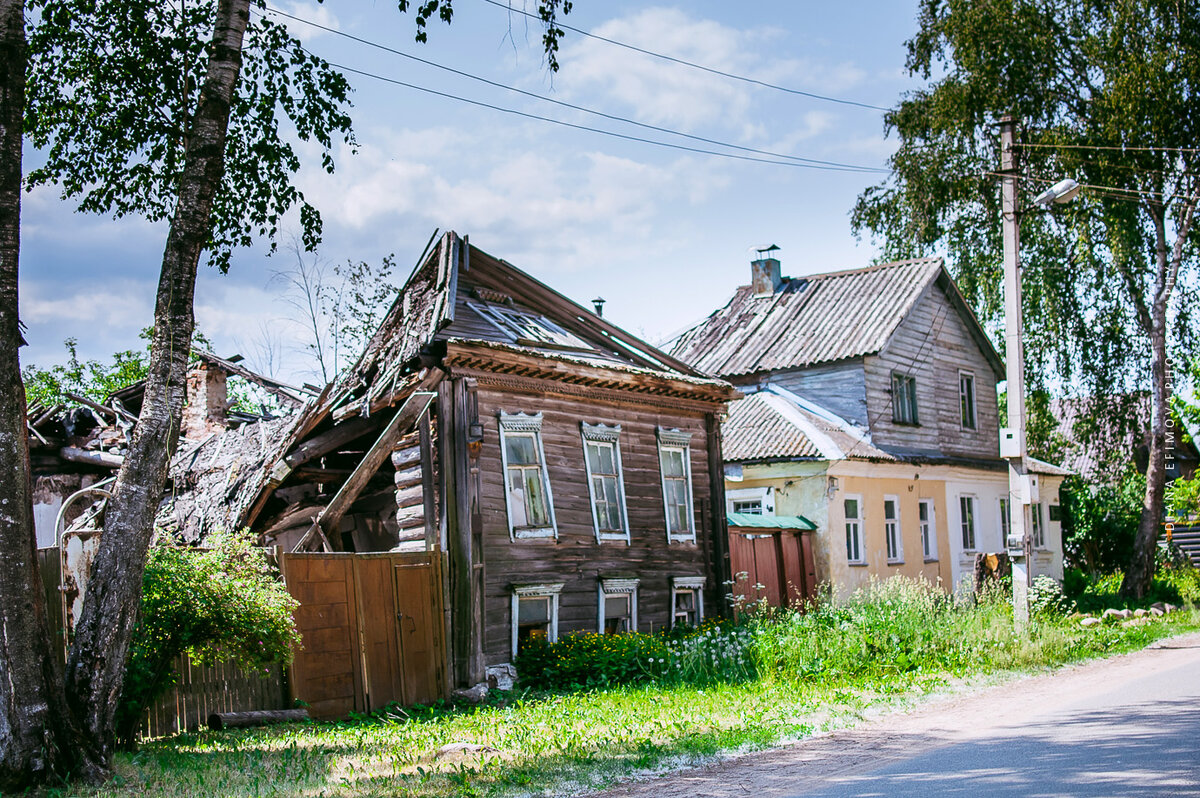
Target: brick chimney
765, 278
207, 401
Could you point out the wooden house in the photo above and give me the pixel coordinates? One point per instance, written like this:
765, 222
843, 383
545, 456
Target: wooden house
553, 474
871, 410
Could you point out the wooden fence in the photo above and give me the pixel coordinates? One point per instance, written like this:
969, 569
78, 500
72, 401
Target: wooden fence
200, 690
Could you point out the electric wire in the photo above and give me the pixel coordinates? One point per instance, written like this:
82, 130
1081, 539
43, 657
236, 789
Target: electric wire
601, 131
572, 106
1106, 147
691, 64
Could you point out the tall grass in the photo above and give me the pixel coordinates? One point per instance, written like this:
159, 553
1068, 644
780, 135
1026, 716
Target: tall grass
594, 709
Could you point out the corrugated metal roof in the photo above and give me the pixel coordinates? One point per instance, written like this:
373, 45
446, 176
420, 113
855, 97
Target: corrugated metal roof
767, 426
755, 430
755, 521
814, 319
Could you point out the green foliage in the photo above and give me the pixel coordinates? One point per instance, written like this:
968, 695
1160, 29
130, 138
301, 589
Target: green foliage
89, 378
1104, 90
1100, 522
1183, 498
713, 652
1047, 598
222, 603
111, 92
547, 12
1176, 581
92, 379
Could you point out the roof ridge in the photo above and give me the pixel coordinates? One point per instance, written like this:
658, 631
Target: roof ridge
892, 264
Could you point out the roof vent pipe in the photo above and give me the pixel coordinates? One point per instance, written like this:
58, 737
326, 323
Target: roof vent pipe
598, 302
765, 278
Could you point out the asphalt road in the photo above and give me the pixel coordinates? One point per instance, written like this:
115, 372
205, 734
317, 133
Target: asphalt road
1126, 726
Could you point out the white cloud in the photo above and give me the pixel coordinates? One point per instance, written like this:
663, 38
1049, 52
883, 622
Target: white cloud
319, 14
674, 95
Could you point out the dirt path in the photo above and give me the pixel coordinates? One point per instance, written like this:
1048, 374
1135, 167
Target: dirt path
1127, 725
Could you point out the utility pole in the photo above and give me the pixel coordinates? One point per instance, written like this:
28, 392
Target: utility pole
1012, 439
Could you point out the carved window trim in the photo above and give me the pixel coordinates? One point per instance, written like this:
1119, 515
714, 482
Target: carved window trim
618, 586
601, 435
549, 591
525, 424
670, 440
688, 584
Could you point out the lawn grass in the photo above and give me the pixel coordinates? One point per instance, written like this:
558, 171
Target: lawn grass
889, 647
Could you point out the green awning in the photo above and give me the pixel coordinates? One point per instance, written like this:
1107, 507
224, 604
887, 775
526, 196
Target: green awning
756, 521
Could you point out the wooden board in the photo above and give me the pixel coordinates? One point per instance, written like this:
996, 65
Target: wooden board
326, 672
419, 614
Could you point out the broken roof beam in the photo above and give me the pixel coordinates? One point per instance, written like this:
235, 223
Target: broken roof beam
108, 411
405, 419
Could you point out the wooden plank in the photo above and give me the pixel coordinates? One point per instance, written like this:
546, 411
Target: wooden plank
377, 628
329, 519
425, 432
409, 476
419, 616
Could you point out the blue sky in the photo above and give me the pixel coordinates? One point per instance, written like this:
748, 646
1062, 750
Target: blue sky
664, 235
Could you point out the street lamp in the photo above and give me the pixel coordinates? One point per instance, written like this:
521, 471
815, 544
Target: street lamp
1022, 487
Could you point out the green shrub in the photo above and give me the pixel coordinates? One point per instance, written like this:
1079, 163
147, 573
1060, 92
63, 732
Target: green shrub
223, 603
1047, 597
1100, 521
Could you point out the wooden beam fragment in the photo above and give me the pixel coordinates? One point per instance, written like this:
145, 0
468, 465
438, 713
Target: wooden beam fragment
103, 459
329, 519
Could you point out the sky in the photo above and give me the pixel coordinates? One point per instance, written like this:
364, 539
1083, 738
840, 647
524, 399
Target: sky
664, 235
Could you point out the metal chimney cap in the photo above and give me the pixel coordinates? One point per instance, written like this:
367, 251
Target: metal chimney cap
765, 251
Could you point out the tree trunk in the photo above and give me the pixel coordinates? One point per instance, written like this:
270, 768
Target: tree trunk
96, 662
29, 695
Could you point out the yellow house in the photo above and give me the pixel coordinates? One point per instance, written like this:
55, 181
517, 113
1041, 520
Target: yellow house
870, 410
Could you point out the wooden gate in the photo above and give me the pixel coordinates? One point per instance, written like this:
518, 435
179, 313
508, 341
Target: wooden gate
371, 628
775, 565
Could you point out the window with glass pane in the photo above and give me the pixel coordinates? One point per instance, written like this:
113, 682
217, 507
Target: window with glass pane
748, 506
686, 607
605, 485
1039, 531
533, 619
676, 496
928, 533
891, 529
966, 507
618, 613
853, 529
524, 326
526, 491
904, 399
966, 399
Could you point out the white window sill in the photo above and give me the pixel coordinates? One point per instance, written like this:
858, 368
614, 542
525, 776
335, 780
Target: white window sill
895, 562
613, 537
681, 538
857, 563
530, 534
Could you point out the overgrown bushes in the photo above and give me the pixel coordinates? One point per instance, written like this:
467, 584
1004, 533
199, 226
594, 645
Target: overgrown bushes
222, 603
887, 632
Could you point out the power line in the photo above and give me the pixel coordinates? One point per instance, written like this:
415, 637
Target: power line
1101, 147
691, 64
572, 106
613, 134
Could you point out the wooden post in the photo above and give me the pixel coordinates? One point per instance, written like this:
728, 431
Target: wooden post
465, 623
427, 487
720, 532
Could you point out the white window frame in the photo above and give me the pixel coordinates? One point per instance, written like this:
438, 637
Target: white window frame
892, 532
928, 529
525, 424
619, 586
1037, 526
902, 398
962, 521
551, 335
972, 406
858, 523
670, 439
762, 495
550, 591
688, 584
602, 435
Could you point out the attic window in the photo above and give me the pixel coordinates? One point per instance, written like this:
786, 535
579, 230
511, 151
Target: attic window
528, 328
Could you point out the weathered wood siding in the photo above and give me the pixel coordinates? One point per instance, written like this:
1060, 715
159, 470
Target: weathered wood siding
576, 558
933, 344
839, 387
